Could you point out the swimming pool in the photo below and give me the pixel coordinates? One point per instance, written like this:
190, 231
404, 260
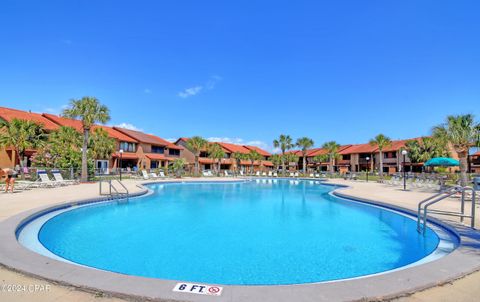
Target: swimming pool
264, 232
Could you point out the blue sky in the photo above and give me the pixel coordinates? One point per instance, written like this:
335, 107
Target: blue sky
247, 71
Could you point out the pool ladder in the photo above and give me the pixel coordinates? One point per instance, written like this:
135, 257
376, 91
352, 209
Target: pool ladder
423, 211
113, 191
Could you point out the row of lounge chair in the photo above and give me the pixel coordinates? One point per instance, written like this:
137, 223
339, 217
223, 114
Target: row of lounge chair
416, 183
43, 181
153, 175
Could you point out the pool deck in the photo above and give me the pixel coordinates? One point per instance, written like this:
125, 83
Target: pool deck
456, 287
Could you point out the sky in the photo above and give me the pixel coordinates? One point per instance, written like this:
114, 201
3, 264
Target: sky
247, 71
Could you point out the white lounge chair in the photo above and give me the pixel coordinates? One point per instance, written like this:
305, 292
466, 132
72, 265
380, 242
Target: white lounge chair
145, 175
59, 178
295, 174
275, 174
162, 174
258, 173
264, 173
46, 181
241, 173
270, 174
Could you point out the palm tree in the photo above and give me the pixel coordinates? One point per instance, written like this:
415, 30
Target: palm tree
276, 160
304, 143
284, 142
21, 135
292, 158
321, 158
178, 165
238, 157
63, 148
254, 156
196, 144
101, 144
332, 151
425, 149
381, 142
215, 152
462, 132
89, 111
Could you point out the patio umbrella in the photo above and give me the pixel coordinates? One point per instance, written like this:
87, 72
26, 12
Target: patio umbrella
442, 162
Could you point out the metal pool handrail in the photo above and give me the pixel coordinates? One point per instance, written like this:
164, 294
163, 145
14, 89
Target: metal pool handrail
424, 204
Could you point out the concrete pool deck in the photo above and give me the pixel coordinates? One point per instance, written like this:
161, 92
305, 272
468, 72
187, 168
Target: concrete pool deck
14, 204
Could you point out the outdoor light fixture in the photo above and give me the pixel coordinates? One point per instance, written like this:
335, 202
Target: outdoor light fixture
404, 153
121, 154
368, 166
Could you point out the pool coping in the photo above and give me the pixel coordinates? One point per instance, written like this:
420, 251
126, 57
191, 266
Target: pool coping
462, 261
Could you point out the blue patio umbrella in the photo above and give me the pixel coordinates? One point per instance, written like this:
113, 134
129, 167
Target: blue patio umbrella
442, 162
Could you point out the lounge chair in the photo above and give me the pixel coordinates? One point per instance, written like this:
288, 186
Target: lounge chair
241, 173
162, 174
270, 174
145, 175
264, 173
46, 181
258, 173
59, 178
296, 174
275, 174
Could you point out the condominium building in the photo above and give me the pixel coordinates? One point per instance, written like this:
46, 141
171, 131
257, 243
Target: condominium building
137, 150
228, 162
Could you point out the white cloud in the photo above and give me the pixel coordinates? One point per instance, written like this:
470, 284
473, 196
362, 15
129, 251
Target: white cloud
128, 126
212, 82
171, 139
209, 85
147, 91
190, 92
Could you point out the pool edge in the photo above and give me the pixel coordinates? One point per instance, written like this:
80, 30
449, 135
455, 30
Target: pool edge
387, 286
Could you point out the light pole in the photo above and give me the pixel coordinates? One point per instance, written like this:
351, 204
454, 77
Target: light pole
404, 153
368, 165
121, 154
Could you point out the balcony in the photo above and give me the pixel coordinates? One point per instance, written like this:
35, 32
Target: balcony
343, 162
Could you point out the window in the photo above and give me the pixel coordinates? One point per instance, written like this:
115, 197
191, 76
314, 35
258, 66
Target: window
390, 155
153, 164
174, 152
203, 154
158, 149
127, 147
346, 157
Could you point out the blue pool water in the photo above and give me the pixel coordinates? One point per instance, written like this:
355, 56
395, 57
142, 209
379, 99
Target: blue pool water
252, 233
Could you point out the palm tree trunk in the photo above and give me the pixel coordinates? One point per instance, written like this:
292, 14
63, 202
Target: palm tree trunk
283, 163
20, 162
196, 165
331, 164
218, 166
304, 163
380, 153
84, 155
462, 156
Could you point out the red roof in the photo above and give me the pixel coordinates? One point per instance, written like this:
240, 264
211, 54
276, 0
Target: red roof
259, 150
360, 148
234, 148
8, 115
147, 138
77, 125
477, 154
225, 161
